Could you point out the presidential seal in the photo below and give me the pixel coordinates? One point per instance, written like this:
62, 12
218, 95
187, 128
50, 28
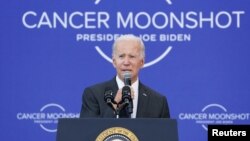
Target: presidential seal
117, 134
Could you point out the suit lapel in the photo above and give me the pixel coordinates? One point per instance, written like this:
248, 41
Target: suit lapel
113, 85
142, 101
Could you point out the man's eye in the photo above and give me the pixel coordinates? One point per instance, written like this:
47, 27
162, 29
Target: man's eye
121, 56
132, 56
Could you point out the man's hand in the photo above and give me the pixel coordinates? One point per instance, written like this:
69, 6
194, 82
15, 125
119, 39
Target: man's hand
118, 97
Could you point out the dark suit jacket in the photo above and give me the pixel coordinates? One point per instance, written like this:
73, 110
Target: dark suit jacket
150, 103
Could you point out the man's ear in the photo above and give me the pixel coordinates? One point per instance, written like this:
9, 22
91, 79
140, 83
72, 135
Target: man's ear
114, 62
142, 63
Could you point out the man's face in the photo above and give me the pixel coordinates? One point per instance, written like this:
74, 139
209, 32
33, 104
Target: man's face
128, 57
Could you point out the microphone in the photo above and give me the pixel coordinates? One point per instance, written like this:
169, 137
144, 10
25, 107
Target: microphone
126, 98
109, 96
126, 92
127, 78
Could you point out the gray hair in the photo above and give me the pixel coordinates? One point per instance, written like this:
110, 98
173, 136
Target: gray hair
129, 37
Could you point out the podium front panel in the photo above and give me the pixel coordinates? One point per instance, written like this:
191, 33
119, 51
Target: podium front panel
145, 129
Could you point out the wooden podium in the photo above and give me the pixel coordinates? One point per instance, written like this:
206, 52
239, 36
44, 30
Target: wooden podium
122, 129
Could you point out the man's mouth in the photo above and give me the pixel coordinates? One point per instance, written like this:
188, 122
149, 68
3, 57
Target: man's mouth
125, 70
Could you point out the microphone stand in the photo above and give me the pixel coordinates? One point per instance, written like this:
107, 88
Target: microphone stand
117, 112
118, 109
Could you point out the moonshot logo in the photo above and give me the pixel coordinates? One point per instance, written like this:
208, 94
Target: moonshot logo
167, 1
160, 28
47, 117
214, 114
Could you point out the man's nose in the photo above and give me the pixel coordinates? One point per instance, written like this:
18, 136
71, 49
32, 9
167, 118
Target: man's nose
126, 61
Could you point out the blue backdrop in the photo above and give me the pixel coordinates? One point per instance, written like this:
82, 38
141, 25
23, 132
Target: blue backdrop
197, 54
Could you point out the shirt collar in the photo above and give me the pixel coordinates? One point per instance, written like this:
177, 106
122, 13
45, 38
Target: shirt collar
120, 83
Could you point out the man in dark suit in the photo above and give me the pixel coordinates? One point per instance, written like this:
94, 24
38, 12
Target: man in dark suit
128, 55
